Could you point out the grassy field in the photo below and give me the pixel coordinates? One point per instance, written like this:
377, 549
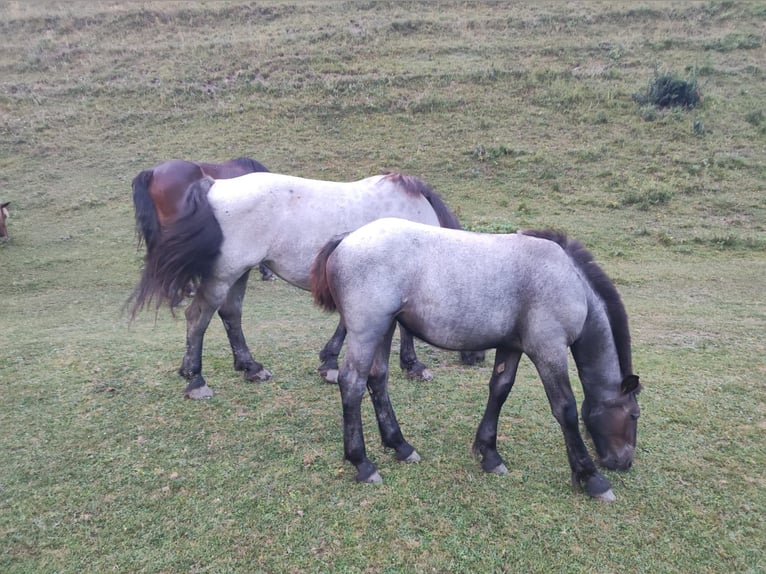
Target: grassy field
523, 115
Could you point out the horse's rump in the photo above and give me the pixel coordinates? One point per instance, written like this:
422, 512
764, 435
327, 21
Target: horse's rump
186, 252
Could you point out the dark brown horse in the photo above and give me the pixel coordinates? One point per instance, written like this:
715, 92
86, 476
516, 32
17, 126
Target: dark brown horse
159, 192
3, 216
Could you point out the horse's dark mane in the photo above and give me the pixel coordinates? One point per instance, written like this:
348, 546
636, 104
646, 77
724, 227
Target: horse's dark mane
604, 288
186, 253
417, 186
249, 163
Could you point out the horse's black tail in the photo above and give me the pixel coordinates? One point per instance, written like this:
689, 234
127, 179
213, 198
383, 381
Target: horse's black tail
147, 224
185, 253
604, 288
318, 280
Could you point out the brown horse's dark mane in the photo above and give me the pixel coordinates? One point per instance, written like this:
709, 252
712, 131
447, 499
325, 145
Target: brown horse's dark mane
604, 288
416, 186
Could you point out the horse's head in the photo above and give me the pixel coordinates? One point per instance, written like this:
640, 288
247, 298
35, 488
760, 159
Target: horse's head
3, 217
613, 425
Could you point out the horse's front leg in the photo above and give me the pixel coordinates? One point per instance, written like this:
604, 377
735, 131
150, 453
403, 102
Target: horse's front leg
500, 385
231, 315
585, 475
328, 370
408, 360
198, 315
377, 383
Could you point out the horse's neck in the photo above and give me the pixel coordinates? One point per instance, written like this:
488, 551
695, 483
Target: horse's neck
595, 353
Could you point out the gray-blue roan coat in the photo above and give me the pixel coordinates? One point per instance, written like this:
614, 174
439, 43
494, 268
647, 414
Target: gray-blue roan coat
535, 293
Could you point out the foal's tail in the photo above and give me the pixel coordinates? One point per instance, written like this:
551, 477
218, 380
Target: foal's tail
147, 223
185, 253
318, 281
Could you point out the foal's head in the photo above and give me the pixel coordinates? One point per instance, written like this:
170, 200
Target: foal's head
613, 425
3, 217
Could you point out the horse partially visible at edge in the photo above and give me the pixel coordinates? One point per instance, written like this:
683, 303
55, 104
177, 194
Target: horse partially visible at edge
4, 214
534, 292
227, 226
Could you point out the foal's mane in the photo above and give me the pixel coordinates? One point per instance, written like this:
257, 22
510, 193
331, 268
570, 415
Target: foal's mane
604, 288
417, 186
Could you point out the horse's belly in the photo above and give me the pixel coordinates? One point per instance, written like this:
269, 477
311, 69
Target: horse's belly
460, 331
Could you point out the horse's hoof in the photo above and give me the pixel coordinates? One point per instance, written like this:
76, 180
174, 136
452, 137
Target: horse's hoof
260, 376
199, 393
420, 375
330, 376
414, 457
499, 469
607, 496
374, 478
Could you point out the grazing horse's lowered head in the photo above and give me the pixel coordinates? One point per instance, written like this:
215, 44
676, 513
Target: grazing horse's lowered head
3, 216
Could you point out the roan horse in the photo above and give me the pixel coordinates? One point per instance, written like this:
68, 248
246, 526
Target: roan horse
226, 227
532, 292
3, 216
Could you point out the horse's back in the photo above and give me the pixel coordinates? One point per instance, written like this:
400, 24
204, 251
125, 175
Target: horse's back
285, 220
456, 289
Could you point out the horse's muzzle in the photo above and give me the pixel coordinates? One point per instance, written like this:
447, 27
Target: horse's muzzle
621, 460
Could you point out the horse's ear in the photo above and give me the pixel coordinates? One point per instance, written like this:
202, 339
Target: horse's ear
630, 384
4, 205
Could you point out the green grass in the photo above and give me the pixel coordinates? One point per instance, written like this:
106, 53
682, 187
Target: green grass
520, 116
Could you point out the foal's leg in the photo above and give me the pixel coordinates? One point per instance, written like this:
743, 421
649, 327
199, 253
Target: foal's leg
231, 315
500, 384
555, 377
198, 315
328, 370
360, 354
408, 361
377, 383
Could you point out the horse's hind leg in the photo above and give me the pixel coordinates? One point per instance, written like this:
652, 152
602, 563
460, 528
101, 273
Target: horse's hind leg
198, 315
231, 315
500, 384
328, 370
408, 360
377, 383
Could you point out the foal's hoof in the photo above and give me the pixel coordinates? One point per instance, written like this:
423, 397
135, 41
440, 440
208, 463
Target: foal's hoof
329, 375
607, 496
598, 487
499, 469
260, 376
199, 393
374, 478
414, 457
420, 374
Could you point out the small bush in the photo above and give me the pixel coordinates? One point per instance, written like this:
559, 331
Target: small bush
667, 90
